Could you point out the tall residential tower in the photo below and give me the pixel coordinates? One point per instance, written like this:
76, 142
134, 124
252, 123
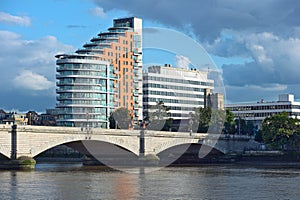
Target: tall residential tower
102, 76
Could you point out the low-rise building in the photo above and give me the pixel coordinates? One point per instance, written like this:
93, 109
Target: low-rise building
258, 111
15, 118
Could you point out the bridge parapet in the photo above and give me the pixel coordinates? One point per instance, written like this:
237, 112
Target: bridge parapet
32, 140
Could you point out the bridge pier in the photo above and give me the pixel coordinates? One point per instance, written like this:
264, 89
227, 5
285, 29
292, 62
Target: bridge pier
22, 163
142, 143
15, 162
144, 158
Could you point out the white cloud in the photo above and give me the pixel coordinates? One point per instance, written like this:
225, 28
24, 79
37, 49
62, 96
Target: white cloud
182, 61
18, 56
14, 20
98, 11
260, 55
32, 81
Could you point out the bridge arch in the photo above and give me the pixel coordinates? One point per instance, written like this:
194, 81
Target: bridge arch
5, 150
168, 144
48, 144
189, 153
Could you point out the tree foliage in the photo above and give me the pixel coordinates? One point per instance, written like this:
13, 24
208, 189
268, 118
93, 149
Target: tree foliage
120, 119
229, 124
201, 119
158, 117
238, 125
243, 127
281, 132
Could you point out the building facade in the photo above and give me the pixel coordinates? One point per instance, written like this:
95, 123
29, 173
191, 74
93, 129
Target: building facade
257, 112
103, 75
215, 101
181, 90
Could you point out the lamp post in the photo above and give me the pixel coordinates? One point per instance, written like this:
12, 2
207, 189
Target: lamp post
87, 122
254, 124
191, 126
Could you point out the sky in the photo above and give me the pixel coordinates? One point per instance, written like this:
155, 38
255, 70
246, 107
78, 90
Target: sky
254, 44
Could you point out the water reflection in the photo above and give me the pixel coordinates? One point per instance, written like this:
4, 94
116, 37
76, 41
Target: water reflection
125, 186
13, 184
203, 182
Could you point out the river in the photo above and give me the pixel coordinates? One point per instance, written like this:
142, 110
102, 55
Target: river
209, 182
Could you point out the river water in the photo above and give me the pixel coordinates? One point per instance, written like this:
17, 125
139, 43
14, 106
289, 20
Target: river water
61, 181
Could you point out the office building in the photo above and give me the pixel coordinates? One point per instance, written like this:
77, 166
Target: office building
181, 90
256, 112
105, 74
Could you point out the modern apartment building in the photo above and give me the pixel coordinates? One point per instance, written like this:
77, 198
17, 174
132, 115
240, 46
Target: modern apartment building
257, 112
181, 90
102, 76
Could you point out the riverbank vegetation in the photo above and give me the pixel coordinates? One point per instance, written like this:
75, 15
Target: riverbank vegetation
281, 132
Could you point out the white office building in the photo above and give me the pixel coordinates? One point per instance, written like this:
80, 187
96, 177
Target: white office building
181, 90
257, 112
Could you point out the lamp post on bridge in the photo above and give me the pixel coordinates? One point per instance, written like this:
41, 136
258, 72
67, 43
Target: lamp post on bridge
87, 123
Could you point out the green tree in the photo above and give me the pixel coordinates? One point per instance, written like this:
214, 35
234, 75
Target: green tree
229, 124
120, 119
243, 127
258, 136
217, 121
158, 117
281, 132
201, 119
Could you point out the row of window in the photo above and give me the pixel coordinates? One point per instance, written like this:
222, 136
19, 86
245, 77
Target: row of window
81, 116
173, 87
88, 102
98, 47
265, 114
137, 41
266, 107
172, 108
117, 30
91, 81
106, 40
74, 66
189, 102
82, 95
85, 87
85, 73
173, 80
179, 115
83, 124
83, 110
173, 94
108, 35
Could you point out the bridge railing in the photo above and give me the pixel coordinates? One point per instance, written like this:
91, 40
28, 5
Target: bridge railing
100, 131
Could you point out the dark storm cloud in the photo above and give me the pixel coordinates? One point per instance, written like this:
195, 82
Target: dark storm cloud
209, 18
266, 34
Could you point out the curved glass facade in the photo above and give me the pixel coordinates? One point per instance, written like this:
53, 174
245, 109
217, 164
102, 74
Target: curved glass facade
85, 91
104, 74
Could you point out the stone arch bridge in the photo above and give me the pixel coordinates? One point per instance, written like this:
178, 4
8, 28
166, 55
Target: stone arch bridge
17, 141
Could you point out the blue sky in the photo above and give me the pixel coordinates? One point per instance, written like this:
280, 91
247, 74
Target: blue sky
255, 45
